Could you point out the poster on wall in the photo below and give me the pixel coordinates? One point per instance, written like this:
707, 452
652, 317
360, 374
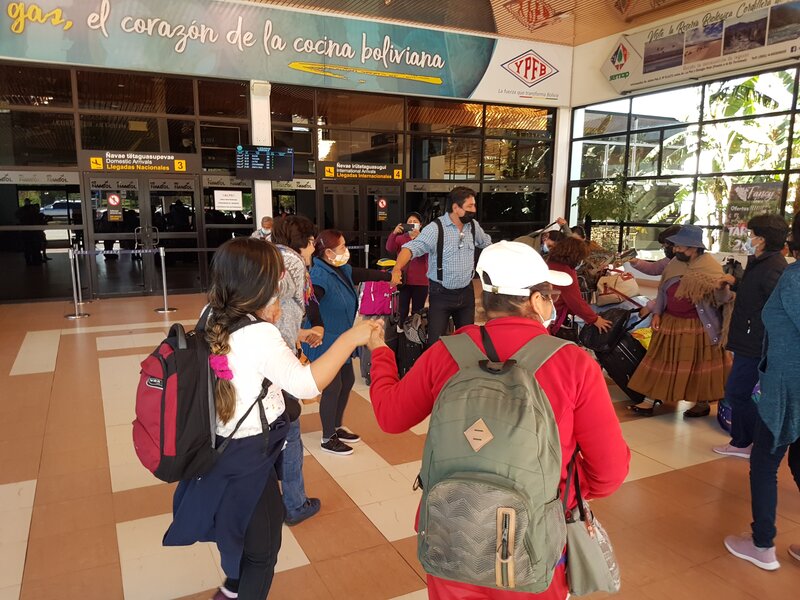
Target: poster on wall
745, 201
734, 37
248, 41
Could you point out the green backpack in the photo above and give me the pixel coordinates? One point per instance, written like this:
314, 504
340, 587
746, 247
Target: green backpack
490, 513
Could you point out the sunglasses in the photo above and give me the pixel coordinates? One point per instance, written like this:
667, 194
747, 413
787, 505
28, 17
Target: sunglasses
553, 295
460, 240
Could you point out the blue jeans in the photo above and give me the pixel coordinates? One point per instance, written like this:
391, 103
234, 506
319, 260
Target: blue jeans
291, 469
739, 396
764, 482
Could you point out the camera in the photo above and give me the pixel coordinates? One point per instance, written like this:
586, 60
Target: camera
407, 227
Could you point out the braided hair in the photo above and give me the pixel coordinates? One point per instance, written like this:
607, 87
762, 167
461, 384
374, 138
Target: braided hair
245, 274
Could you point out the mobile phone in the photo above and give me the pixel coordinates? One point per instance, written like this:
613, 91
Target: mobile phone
409, 227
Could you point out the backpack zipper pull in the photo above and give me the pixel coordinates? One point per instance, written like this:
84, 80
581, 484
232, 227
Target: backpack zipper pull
417, 484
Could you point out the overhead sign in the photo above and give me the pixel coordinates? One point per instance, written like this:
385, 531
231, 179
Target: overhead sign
113, 184
40, 177
139, 162
265, 162
228, 200
211, 181
172, 185
250, 41
294, 184
732, 38
361, 170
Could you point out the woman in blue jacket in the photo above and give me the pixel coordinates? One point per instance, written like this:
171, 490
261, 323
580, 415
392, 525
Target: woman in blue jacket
778, 426
334, 282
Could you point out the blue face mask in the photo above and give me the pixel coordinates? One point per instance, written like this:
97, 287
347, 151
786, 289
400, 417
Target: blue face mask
545, 249
748, 247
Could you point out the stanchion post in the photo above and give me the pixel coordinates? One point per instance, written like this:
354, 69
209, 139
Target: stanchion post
166, 308
78, 277
366, 255
77, 314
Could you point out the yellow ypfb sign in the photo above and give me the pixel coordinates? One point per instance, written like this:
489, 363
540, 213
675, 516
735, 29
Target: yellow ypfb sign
96, 163
330, 171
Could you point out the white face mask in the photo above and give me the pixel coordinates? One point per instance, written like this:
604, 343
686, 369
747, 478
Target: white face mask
341, 259
547, 322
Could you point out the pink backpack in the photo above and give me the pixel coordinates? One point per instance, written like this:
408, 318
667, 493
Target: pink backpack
375, 298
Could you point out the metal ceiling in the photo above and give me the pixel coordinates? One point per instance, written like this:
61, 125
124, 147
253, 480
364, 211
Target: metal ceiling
569, 22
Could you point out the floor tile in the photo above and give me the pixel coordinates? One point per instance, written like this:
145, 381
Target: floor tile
65, 553
100, 583
12, 562
10, 593
332, 497
695, 583
119, 376
71, 515
130, 340
314, 535
394, 518
141, 503
17, 495
363, 458
410, 470
399, 448
353, 577
291, 554
70, 486
375, 486
303, 583
20, 459
421, 428
679, 452
407, 547
131, 476
310, 408
642, 466
38, 353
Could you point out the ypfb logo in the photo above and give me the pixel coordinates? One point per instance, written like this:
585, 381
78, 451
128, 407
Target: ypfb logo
530, 68
620, 57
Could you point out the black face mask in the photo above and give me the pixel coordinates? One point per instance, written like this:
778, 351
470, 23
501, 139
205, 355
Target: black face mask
682, 257
669, 251
469, 216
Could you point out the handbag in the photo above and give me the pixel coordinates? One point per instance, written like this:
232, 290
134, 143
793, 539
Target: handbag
616, 287
594, 339
591, 563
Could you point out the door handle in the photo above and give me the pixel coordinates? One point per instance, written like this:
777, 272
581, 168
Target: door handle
154, 236
137, 237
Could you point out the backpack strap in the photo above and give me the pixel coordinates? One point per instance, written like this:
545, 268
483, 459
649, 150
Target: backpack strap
463, 350
538, 351
265, 385
439, 251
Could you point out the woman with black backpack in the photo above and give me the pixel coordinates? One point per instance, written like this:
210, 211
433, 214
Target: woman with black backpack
238, 504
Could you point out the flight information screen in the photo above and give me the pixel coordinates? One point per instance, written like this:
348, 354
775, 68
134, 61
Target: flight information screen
265, 162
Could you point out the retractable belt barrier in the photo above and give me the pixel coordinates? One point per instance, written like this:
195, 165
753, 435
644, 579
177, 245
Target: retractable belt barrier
75, 271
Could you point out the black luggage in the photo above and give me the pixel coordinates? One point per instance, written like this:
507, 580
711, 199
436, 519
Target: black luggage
408, 353
391, 338
622, 361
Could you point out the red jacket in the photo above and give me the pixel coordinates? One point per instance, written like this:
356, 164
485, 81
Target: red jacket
581, 404
570, 299
416, 273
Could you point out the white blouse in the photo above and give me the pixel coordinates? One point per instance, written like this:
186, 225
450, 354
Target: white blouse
258, 351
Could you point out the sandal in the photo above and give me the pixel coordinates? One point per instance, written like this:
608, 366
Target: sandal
701, 409
642, 410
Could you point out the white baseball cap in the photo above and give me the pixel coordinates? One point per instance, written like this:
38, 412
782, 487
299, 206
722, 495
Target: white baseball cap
514, 267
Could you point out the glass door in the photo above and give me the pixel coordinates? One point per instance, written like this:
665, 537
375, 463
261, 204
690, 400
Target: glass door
341, 209
383, 213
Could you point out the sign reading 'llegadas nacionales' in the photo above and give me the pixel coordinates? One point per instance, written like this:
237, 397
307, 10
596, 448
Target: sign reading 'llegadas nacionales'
238, 40
735, 37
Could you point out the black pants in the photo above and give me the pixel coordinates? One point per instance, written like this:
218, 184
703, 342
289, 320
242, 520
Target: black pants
444, 303
262, 542
413, 297
739, 395
764, 482
334, 400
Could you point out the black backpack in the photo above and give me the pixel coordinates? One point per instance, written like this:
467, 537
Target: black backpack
174, 432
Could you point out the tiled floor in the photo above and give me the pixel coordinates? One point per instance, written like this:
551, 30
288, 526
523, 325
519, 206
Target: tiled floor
81, 518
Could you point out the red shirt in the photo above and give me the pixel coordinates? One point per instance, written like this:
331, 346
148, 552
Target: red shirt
570, 299
416, 272
572, 382
682, 308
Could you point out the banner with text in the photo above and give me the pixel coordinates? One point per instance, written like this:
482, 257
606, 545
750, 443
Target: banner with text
735, 37
255, 42
746, 201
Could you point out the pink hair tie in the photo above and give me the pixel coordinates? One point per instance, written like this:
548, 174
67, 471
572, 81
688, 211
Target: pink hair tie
219, 364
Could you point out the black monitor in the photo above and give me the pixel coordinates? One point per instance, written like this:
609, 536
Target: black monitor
265, 162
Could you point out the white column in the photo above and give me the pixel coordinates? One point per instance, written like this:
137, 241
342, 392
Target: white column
558, 202
261, 134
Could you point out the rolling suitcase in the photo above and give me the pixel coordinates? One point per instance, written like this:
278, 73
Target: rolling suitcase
622, 361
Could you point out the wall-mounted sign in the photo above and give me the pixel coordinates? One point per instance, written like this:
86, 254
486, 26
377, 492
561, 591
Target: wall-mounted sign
265, 162
40, 177
732, 38
250, 41
433, 187
228, 200
294, 184
113, 184
139, 162
226, 181
516, 188
172, 185
383, 209
746, 201
114, 207
362, 170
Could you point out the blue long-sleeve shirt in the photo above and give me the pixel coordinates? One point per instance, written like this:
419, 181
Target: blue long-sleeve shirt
458, 256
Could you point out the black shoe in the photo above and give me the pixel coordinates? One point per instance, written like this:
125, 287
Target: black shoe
310, 507
336, 446
647, 412
347, 436
701, 409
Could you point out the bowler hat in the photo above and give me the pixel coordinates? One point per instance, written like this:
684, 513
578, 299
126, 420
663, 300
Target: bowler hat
690, 236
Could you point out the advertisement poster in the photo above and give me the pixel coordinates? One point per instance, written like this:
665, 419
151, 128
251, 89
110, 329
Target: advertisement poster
737, 36
746, 201
259, 42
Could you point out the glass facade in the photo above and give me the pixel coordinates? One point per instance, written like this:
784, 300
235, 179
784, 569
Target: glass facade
679, 153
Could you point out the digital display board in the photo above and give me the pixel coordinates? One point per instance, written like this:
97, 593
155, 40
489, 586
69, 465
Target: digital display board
265, 162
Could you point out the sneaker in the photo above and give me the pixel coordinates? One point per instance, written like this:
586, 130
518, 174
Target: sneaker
310, 507
794, 551
728, 450
336, 446
744, 548
347, 436
224, 594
